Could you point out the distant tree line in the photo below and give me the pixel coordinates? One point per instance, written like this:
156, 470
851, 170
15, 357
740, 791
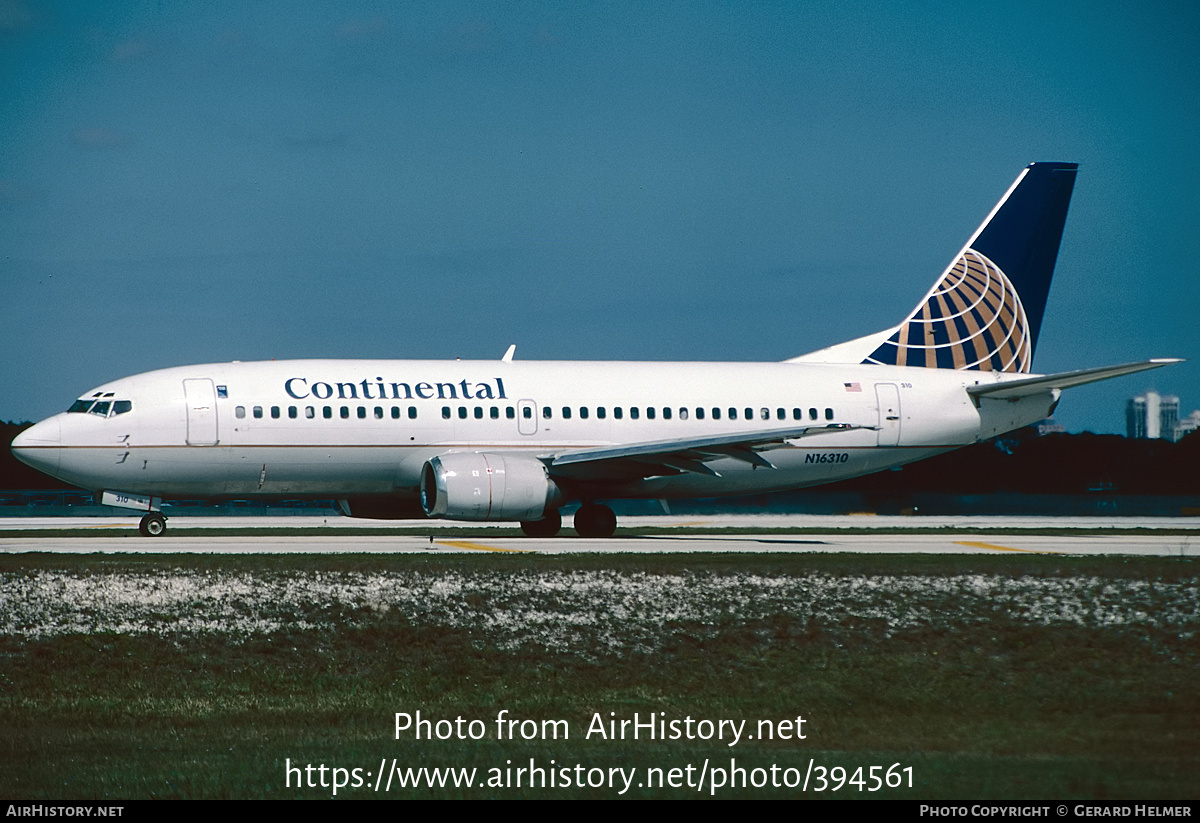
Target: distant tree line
1022, 462
1018, 462
13, 473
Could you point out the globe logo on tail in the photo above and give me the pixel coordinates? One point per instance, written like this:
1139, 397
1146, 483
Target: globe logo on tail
972, 320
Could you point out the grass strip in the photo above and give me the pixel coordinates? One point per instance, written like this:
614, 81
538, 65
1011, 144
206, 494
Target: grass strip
982, 673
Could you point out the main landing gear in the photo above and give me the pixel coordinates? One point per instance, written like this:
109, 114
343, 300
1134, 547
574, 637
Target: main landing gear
592, 520
153, 525
595, 520
548, 526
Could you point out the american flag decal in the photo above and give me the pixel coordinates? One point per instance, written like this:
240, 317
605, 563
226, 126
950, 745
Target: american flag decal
973, 320
853, 386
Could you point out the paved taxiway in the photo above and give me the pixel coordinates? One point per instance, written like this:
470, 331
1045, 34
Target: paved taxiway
440, 536
715, 522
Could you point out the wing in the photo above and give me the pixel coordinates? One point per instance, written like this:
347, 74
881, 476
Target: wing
1027, 387
668, 457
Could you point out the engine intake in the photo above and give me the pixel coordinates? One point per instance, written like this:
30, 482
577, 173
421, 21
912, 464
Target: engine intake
482, 486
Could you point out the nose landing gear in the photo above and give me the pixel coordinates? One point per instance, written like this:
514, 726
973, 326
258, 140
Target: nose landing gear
153, 525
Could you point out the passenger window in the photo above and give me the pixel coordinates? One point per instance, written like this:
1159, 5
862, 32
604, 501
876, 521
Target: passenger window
781, 414
527, 413
345, 412
633, 412
412, 412
618, 413
379, 412
258, 412
445, 412
511, 413
829, 414
699, 413
546, 412
683, 414
327, 412
566, 412
239, 412
666, 414
716, 414
292, 412
395, 412
122, 406
812, 414
733, 414
797, 414
479, 412
101, 408
650, 413
274, 412
495, 413
765, 414
462, 412
362, 412
601, 412
583, 412
310, 412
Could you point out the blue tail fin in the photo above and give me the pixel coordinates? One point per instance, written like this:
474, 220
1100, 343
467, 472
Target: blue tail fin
986, 311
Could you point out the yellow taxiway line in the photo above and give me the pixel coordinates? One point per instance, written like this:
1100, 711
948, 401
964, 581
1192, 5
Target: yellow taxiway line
477, 547
994, 547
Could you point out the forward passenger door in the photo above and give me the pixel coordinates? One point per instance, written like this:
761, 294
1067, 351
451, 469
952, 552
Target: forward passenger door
201, 400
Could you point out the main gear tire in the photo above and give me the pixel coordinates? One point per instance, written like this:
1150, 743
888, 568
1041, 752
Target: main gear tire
548, 526
595, 520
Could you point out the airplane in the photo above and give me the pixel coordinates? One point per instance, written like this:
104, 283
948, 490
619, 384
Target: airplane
510, 440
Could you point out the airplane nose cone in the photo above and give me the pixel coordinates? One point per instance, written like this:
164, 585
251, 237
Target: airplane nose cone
39, 445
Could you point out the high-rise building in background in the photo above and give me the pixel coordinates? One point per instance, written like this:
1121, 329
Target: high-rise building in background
1168, 418
1136, 418
1189, 424
1152, 416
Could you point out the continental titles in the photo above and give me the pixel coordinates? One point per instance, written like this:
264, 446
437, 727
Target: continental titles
300, 388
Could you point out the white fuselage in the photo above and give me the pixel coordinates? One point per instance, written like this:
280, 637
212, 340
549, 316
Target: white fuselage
345, 428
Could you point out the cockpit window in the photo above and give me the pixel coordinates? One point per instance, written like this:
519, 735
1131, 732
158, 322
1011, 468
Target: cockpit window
101, 407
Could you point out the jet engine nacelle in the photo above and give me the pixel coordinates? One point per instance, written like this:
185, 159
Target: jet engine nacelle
484, 486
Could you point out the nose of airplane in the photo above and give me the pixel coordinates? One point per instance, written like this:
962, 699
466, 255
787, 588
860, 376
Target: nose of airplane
39, 445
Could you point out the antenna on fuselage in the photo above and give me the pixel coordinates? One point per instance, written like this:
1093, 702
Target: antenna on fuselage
508, 355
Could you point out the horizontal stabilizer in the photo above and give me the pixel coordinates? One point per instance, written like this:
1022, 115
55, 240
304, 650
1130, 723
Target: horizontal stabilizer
1029, 386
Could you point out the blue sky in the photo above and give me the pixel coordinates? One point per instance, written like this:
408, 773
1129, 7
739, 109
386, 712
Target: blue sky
196, 182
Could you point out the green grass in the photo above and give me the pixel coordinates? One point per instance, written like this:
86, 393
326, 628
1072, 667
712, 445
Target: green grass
981, 698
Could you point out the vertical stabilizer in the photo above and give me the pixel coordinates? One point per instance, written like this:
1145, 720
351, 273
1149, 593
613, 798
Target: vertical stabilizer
986, 310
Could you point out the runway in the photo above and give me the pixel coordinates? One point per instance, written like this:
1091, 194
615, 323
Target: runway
856, 534
713, 522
